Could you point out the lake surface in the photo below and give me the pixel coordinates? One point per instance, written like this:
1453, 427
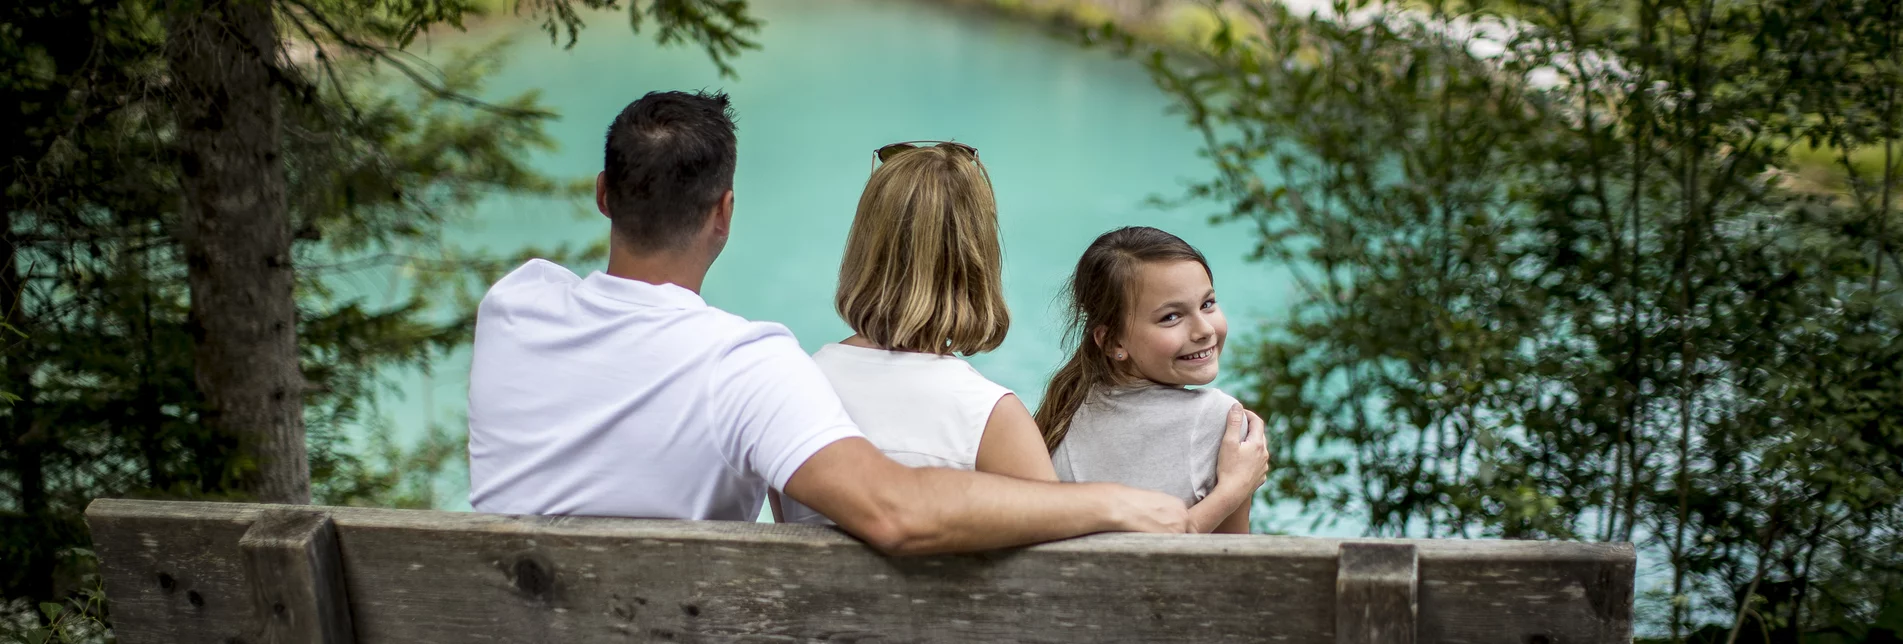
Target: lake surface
1075, 140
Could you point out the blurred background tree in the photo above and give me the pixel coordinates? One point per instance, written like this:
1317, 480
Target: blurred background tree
110, 125
1585, 269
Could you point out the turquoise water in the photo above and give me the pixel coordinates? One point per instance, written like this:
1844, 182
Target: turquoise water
1075, 139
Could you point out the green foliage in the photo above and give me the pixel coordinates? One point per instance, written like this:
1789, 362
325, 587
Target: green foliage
108, 405
103, 397
79, 620
1560, 282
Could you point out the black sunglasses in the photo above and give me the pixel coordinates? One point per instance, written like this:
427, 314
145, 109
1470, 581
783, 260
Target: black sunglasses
886, 153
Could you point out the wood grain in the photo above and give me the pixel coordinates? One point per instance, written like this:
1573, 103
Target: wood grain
297, 579
1375, 600
421, 576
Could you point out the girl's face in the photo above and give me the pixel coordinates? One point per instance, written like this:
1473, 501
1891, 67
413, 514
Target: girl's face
1174, 332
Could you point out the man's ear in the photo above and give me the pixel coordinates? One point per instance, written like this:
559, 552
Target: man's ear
601, 193
719, 224
723, 215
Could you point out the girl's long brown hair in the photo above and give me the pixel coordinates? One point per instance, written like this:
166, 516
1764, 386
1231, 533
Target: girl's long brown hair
1100, 292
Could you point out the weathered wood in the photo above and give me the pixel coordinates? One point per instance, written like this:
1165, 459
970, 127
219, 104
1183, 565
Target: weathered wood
1374, 593
296, 579
417, 576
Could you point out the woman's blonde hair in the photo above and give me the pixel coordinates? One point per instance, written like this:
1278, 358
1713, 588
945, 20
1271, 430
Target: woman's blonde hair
922, 265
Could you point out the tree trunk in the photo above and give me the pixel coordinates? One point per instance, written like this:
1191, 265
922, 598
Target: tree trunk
23, 443
236, 234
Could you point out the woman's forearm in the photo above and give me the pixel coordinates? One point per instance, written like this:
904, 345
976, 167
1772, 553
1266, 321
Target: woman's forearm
1216, 508
1237, 523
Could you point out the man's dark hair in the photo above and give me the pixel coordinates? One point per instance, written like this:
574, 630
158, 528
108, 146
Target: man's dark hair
670, 158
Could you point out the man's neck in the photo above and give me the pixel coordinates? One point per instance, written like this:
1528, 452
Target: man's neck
682, 268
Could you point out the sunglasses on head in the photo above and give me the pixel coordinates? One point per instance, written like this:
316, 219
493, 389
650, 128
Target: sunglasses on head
887, 152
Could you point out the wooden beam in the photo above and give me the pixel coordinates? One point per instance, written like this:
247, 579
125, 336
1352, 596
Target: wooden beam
296, 579
1375, 600
423, 576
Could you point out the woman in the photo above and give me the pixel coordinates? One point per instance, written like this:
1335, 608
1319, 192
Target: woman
920, 286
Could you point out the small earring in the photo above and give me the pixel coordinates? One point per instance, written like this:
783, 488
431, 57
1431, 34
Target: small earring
1119, 355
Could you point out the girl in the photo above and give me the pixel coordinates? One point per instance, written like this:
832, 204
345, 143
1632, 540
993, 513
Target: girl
920, 283
1146, 324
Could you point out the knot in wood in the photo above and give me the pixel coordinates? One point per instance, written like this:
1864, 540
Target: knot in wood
533, 577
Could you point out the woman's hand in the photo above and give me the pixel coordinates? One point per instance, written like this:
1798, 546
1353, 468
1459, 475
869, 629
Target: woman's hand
1242, 465
1243, 462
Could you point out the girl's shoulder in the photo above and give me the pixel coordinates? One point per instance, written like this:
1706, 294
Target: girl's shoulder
1214, 397
1199, 403
1213, 404
1152, 392
1209, 409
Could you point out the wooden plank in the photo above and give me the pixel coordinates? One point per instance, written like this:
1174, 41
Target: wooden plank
418, 576
1374, 593
1477, 596
296, 579
175, 575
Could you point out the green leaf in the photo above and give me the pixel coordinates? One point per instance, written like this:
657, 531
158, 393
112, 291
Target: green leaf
38, 636
51, 609
1892, 615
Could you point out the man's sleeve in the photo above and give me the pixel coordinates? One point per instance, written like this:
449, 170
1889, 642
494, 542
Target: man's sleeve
774, 405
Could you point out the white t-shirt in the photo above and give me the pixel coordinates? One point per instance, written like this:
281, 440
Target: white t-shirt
922, 410
606, 396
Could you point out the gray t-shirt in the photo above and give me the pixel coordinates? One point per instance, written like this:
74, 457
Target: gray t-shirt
1147, 436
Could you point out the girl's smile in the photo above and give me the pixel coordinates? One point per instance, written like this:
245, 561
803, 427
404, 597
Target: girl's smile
1199, 357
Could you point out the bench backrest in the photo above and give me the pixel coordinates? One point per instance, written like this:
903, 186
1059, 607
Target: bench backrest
232, 572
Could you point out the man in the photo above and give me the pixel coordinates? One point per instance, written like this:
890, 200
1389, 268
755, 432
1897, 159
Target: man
625, 394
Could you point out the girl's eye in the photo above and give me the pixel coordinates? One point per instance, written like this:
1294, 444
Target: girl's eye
1209, 304
1171, 317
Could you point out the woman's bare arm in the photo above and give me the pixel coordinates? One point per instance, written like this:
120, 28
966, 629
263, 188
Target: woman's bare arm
1242, 465
1012, 445
905, 511
1238, 521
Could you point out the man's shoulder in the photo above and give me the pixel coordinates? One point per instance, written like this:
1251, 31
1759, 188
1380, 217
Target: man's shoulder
538, 279
751, 341
536, 272
532, 278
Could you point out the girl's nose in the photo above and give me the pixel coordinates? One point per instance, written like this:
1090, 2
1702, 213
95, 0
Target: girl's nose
1201, 328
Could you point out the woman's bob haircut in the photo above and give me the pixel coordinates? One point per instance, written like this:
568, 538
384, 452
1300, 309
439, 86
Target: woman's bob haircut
922, 264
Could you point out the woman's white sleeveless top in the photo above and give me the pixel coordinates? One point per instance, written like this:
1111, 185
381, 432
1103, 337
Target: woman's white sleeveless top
922, 410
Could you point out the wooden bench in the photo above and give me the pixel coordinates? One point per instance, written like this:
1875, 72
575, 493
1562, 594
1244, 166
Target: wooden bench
231, 572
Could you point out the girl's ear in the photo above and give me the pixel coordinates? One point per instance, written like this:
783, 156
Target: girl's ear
1112, 349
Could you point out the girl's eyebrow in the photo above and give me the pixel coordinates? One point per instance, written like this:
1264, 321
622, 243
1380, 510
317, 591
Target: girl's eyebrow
1180, 303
